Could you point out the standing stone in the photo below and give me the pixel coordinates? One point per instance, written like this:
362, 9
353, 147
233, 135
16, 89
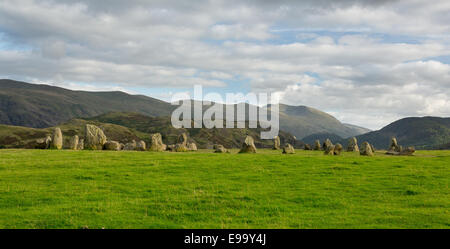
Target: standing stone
192, 147
248, 146
43, 143
80, 144
288, 149
57, 140
74, 143
366, 150
307, 147
130, 146
373, 148
141, 146
317, 145
276, 143
182, 139
338, 149
218, 148
326, 144
353, 145
394, 147
112, 145
156, 143
94, 138
329, 150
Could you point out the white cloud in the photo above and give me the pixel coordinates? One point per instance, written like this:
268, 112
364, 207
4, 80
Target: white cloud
367, 62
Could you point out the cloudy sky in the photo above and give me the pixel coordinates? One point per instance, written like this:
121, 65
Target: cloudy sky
366, 62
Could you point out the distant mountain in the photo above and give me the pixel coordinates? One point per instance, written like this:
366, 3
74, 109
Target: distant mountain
40, 106
357, 129
321, 137
302, 121
423, 133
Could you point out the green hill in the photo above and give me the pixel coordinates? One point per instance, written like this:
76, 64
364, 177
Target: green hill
322, 137
41, 106
124, 127
25, 137
205, 138
302, 121
423, 133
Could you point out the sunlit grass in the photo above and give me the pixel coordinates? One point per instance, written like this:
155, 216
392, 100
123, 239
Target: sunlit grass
96, 189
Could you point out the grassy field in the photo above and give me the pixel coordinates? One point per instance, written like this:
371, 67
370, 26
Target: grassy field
100, 189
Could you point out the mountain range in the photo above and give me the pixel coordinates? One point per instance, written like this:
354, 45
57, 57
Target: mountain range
28, 111
41, 106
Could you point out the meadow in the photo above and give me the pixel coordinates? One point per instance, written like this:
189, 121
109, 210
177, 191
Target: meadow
106, 189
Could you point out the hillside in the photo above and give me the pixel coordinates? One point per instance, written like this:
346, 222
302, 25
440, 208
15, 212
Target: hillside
357, 129
321, 137
41, 106
25, 137
205, 138
423, 133
302, 121
124, 127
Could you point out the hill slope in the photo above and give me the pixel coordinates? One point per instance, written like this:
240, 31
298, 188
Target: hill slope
41, 106
124, 127
423, 133
321, 137
302, 121
205, 138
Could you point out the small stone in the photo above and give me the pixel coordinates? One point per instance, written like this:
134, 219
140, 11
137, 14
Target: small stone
288, 149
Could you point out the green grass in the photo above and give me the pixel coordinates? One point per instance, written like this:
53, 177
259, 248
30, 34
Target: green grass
96, 189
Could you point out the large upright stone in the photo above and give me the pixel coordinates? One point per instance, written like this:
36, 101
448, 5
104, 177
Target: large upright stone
182, 139
317, 145
248, 146
353, 145
157, 143
338, 149
326, 144
43, 143
112, 145
94, 138
276, 143
74, 143
141, 146
393, 146
80, 144
307, 147
366, 149
328, 150
57, 139
288, 149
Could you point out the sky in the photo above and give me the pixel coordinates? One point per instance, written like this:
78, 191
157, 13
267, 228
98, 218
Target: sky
367, 63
